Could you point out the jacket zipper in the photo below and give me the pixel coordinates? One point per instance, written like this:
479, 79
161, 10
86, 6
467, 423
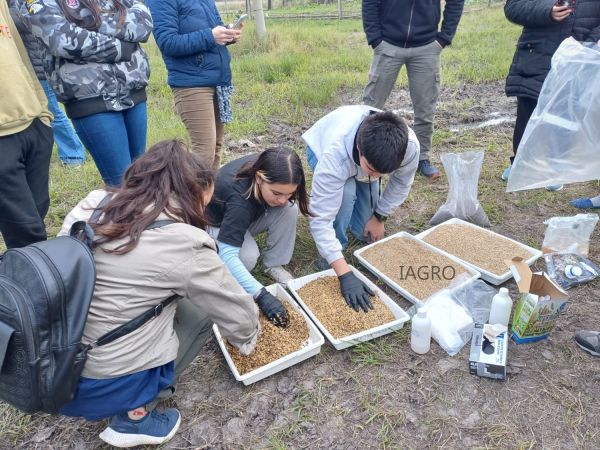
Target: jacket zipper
61, 287
114, 73
412, 9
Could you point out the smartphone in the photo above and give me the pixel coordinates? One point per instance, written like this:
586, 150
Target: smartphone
239, 21
568, 3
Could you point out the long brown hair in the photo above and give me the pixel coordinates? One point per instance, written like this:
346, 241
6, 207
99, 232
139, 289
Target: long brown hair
277, 165
166, 179
93, 22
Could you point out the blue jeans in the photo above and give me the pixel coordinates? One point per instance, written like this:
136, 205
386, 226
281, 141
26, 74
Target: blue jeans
114, 139
355, 210
70, 150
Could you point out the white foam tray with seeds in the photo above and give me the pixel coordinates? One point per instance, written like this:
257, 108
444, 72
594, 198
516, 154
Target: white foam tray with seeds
474, 274
486, 275
311, 348
363, 336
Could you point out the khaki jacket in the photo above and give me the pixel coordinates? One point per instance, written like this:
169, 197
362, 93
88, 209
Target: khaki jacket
177, 258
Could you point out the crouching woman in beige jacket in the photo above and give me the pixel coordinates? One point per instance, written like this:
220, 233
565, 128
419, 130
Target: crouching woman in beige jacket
137, 270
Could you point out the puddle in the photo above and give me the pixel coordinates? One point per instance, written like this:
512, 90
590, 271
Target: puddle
488, 123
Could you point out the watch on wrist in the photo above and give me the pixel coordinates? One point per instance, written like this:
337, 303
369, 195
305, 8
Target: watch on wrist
379, 217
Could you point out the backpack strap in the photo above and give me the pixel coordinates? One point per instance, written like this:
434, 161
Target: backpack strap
134, 324
158, 224
99, 209
81, 229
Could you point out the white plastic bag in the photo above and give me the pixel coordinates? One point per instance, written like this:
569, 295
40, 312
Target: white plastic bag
569, 234
454, 312
561, 143
462, 170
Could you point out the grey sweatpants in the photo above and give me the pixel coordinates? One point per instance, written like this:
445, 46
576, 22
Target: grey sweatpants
280, 224
424, 80
193, 327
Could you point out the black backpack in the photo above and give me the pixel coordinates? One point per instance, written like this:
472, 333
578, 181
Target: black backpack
45, 294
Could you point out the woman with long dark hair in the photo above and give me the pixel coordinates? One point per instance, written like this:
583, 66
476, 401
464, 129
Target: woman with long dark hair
256, 194
96, 67
138, 268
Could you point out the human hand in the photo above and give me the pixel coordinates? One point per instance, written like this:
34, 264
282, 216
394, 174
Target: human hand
376, 228
224, 35
560, 13
273, 309
238, 29
355, 292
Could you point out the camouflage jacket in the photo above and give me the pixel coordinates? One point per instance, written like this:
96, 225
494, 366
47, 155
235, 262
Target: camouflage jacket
92, 72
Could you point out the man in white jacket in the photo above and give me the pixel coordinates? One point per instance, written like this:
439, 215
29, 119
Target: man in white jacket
349, 150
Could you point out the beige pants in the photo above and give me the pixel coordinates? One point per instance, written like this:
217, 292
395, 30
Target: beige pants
198, 109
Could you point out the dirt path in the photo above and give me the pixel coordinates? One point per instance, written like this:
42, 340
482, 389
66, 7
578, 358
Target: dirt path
382, 395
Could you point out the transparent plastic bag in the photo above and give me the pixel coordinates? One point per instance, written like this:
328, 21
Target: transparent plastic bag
559, 261
569, 234
561, 143
462, 170
454, 312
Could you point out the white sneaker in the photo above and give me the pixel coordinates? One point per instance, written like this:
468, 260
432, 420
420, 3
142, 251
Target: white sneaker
280, 275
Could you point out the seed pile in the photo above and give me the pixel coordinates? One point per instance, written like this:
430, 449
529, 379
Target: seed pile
477, 247
416, 268
272, 343
324, 298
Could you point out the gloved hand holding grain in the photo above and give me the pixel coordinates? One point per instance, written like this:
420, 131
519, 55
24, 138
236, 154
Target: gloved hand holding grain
273, 342
324, 298
476, 246
413, 266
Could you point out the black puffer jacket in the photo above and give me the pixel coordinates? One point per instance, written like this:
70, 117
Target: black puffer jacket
31, 43
542, 36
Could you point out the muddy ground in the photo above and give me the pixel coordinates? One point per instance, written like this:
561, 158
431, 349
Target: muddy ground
382, 395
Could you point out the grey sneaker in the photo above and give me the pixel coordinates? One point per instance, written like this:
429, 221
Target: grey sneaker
279, 275
427, 169
589, 341
322, 264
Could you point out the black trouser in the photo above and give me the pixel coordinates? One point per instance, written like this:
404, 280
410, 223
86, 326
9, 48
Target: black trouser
24, 173
525, 107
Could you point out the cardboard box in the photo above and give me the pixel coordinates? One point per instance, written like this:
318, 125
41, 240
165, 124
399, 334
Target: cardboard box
535, 319
485, 359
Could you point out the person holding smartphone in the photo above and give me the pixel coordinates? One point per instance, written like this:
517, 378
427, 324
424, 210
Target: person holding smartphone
546, 23
193, 40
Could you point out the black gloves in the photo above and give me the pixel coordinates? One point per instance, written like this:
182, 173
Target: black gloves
272, 308
355, 292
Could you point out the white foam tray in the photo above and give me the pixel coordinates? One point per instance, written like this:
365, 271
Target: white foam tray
391, 283
312, 347
486, 275
356, 338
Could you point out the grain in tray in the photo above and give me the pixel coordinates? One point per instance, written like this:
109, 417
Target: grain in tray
476, 246
273, 342
324, 298
408, 262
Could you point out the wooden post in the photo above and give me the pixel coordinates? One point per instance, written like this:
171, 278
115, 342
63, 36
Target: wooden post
259, 17
340, 9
